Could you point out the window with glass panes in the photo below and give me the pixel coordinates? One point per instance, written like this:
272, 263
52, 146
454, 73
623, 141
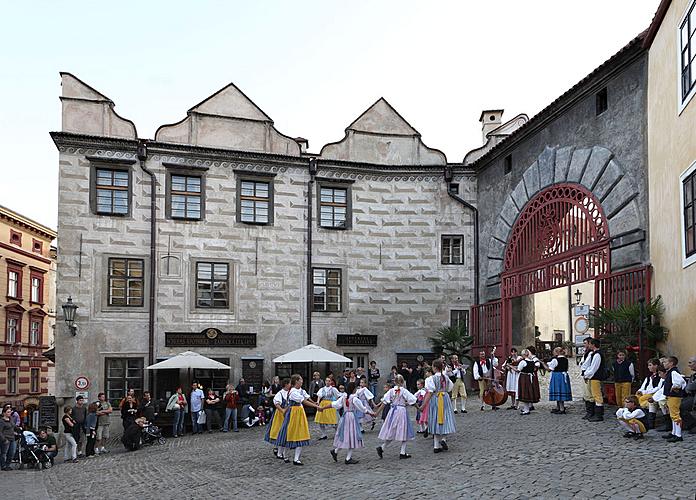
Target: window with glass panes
327, 289
333, 207
123, 374
689, 186
12, 381
12, 332
185, 197
35, 331
35, 381
254, 201
14, 278
212, 285
36, 288
452, 250
356, 360
459, 317
687, 38
126, 282
112, 191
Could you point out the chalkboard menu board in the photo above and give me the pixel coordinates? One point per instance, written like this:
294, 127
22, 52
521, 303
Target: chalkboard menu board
48, 412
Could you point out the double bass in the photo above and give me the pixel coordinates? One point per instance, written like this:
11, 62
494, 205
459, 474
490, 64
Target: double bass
495, 394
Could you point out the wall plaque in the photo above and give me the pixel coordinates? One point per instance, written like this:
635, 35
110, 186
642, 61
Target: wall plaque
356, 340
210, 337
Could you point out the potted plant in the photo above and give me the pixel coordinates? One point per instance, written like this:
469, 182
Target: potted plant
450, 340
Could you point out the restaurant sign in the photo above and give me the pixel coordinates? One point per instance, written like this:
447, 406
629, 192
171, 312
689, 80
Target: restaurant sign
356, 340
210, 337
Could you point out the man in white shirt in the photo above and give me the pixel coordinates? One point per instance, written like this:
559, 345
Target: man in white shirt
455, 372
196, 401
483, 372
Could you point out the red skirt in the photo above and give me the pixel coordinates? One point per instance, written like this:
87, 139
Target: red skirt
528, 388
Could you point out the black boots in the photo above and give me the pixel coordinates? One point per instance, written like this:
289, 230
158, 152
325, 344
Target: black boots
598, 414
667, 427
651, 420
589, 410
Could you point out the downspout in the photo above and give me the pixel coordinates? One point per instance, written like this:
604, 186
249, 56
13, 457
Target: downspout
142, 156
310, 293
449, 174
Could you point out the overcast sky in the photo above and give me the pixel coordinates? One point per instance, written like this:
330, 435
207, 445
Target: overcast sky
312, 66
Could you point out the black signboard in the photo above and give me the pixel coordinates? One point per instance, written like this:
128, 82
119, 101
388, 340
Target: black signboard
210, 337
48, 412
356, 340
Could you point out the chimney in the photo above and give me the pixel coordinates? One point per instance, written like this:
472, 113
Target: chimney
490, 119
304, 144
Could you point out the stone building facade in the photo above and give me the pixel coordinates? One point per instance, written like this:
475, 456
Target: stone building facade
390, 252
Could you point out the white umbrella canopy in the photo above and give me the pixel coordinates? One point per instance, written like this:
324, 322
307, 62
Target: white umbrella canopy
311, 354
189, 359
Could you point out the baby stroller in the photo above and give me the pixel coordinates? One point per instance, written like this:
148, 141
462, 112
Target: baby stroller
151, 434
31, 454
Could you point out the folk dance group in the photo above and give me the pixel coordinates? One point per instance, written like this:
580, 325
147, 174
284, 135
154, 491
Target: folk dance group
349, 411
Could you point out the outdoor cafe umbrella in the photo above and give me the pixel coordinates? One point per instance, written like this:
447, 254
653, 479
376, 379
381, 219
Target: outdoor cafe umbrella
312, 354
188, 360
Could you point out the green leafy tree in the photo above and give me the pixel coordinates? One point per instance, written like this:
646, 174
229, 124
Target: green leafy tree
453, 340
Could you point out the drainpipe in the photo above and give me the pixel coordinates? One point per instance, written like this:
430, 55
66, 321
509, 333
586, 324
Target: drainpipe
449, 174
142, 156
310, 293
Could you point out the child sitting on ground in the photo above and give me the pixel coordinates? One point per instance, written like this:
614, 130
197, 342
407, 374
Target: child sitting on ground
261, 414
631, 418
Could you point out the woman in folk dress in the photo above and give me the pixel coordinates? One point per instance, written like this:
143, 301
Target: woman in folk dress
326, 395
397, 426
440, 411
294, 434
529, 383
512, 377
348, 433
280, 402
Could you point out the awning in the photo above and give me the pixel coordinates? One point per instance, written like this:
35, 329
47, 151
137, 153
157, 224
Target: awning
312, 354
189, 359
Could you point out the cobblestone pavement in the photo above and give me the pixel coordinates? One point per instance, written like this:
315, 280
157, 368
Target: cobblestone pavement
499, 454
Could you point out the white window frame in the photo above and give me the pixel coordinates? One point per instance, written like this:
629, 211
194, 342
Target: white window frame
13, 284
683, 103
686, 261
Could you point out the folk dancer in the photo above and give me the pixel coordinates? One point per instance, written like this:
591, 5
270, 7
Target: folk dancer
673, 389
280, 403
397, 426
294, 434
483, 371
367, 399
559, 386
348, 433
586, 390
528, 390
512, 376
624, 373
595, 373
440, 414
420, 397
325, 396
631, 418
650, 385
456, 371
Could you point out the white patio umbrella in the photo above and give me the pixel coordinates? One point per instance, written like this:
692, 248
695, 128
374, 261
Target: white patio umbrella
312, 354
189, 359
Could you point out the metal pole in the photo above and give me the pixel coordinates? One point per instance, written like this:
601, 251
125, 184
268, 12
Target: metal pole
641, 327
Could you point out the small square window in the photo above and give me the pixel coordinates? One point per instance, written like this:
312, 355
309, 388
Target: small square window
453, 188
452, 249
459, 317
508, 164
602, 101
36, 246
15, 238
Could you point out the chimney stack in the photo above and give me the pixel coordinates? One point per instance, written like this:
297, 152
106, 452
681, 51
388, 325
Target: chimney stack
304, 144
490, 119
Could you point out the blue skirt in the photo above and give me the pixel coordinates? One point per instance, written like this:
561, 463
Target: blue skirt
559, 388
448, 426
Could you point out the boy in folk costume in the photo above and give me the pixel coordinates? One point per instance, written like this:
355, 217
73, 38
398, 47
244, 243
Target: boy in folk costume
528, 384
483, 371
595, 373
280, 402
348, 433
294, 434
624, 373
325, 396
559, 386
631, 418
440, 414
650, 386
456, 371
587, 390
673, 389
397, 426
512, 377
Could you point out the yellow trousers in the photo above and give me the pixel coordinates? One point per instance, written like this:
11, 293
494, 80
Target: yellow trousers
643, 400
633, 423
459, 390
596, 388
673, 405
622, 391
587, 392
482, 388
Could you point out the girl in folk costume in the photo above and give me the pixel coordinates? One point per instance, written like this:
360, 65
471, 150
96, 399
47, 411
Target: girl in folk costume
280, 402
295, 430
483, 372
650, 386
528, 389
440, 414
512, 376
423, 420
420, 397
348, 433
385, 406
397, 426
325, 396
559, 387
367, 399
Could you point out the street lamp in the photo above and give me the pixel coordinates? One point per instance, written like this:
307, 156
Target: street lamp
69, 309
578, 296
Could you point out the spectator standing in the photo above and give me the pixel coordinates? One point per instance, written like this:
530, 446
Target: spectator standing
69, 425
232, 402
406, 372
131, 393
8, 444
314, 386
79, 415
197, 397
15, 418
360, 374
48, 443
373, 378
391, 378
275, 386
687, 402
91, 429
104, 411
243, 390
129, 411
212, 412
147, 407
178, 405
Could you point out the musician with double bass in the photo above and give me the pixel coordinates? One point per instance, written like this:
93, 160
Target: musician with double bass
484, 373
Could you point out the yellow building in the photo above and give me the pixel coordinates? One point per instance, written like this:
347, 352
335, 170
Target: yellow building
27, 286
671, 40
